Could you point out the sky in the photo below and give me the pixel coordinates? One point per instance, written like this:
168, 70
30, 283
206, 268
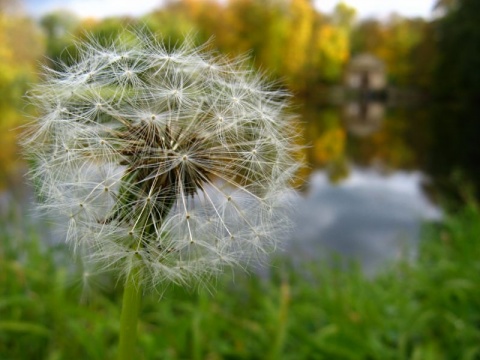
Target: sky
104, 8
382, 8
93, 8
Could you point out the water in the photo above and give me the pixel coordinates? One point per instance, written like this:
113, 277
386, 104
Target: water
369, 217
365, 195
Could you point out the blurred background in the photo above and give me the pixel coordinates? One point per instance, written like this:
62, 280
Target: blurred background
387, 95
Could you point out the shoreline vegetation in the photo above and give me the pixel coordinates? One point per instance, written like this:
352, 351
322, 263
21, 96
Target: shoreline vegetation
428, 308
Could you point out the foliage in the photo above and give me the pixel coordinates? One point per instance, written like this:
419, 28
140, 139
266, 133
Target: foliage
456, 91
58, 27
457, 77
425, 309
454, 151
20, 47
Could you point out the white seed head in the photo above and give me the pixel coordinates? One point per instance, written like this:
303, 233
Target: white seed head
175, 159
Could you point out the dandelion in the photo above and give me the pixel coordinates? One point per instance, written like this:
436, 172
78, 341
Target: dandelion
165, 164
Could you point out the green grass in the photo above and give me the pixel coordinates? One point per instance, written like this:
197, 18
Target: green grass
425, 309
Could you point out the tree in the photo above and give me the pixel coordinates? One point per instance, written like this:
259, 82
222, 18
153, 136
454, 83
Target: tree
458, 72
456, 88
20, 48
344, 16
58, 27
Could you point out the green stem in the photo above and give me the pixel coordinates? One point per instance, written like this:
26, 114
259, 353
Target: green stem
282, 322
132, 296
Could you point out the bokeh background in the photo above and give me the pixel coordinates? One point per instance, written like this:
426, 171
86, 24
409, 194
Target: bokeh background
383, 261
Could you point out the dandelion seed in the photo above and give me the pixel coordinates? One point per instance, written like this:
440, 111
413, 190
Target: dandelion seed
162, 150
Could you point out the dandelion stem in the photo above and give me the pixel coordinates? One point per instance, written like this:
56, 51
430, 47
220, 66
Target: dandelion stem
132, 296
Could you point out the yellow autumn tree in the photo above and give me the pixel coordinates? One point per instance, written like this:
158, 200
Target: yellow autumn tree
332, 51
316, 49
297, 46
20, 49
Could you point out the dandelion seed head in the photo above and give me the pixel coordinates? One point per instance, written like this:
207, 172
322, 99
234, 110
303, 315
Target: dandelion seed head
173, 159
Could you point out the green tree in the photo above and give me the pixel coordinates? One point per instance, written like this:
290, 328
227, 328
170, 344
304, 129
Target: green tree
344, 16
456, 87
458, 72
58, 27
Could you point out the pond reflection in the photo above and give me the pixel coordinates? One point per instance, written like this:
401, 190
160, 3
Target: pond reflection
363, 118
365, 195
369, 217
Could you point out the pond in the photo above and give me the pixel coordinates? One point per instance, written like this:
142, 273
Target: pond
365, 194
